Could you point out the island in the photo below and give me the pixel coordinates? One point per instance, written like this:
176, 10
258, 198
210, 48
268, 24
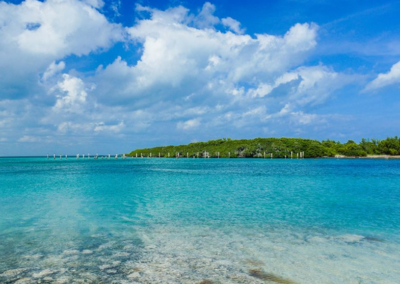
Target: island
276, 148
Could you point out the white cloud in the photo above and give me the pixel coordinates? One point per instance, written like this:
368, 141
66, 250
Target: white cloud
68, 126
29, 139
95, 3
111, 128
34, 34
305, 118
179, 60
52, 70
73, 94
63, 27
222, 77
233, 25
190, 75
115, 6
385, 79
309, 85
189, 124
206, 18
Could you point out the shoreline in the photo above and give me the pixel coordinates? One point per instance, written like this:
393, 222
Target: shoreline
386, 157
120, 156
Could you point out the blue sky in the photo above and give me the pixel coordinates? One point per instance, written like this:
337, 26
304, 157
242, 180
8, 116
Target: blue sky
99, 76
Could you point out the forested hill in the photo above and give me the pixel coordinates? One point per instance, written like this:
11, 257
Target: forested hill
278, 147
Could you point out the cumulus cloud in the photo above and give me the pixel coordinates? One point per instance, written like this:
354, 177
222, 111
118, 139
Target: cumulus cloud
233, 25
61, 28
53, 69
195, 72
73, 94
111, 128
206, 18
34, 34
28, 139
385, 79
179, 60
189, 124
239, 79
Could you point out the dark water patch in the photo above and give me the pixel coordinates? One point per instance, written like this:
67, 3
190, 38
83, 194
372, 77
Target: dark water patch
374, 239
258, 273
206, 281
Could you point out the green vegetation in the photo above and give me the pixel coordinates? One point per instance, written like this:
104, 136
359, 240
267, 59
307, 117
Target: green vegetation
278, 147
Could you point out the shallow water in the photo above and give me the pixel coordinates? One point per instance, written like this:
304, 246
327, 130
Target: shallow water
199, 221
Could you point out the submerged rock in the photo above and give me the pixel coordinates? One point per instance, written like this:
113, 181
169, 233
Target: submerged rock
258, 273
110, 265
12, 272
350, 238
33, 257
71, 252
134, 275
120, 254
24, 280
62, 280
104, 266
43, 273
128, 247
206, 281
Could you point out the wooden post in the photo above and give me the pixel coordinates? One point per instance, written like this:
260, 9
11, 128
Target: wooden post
229, 154
187, 154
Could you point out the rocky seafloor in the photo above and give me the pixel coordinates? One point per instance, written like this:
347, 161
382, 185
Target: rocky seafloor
205, 256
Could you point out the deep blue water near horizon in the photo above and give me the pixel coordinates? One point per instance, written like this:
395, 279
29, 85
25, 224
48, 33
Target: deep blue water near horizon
188, 220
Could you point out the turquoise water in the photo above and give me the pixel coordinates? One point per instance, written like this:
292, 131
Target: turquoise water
190, 220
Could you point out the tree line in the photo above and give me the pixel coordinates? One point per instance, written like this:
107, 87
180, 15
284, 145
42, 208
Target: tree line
278, 147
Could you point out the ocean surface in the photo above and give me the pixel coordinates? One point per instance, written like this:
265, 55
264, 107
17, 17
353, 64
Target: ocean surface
199, 221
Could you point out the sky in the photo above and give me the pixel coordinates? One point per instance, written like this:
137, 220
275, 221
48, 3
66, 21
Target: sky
97, 76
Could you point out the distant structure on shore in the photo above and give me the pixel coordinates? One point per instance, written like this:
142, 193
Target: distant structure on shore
271, 148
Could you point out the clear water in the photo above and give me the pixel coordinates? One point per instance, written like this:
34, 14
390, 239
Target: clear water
191, 220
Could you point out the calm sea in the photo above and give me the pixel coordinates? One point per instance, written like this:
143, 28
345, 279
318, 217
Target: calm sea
199, 221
